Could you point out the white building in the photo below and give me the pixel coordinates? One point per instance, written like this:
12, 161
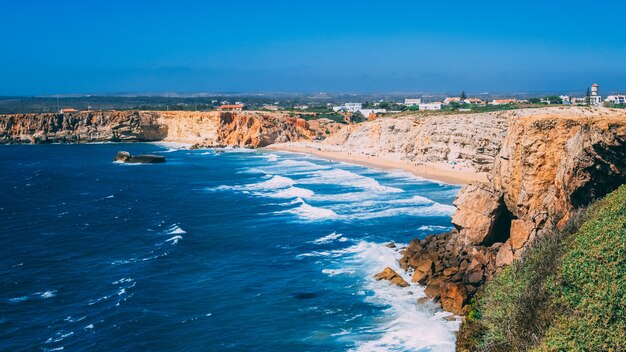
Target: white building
368, 112
566, 99
430, 106
616, 99
412, 102
595, 98
351, 107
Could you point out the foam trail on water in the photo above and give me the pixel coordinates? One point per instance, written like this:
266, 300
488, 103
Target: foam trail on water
308, 212
349, 179
330, 238
175, 230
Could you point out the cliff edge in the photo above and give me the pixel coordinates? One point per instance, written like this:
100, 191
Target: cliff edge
551, 162
204, 129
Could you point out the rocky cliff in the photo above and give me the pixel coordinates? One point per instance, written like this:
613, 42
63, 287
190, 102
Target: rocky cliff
206, 129
469, 141
550, 162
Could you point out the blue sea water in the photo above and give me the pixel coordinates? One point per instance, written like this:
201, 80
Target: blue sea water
215, 250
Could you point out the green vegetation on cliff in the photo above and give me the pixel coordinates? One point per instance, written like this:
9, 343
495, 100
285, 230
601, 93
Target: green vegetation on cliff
567, 293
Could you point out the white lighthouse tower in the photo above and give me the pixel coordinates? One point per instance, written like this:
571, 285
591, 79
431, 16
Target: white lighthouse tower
595, 99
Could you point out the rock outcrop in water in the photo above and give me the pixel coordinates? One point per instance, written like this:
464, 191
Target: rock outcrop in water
126, 157
204, 129
551, 162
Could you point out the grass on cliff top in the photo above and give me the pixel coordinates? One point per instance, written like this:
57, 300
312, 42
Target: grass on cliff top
567, 293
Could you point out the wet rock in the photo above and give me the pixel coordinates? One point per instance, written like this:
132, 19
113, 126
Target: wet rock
422, 271
126, 157
391, 276
423, 300
453, 297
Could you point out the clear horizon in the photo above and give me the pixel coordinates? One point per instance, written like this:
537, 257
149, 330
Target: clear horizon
352, 47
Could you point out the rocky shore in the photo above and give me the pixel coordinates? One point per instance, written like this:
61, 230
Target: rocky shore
549, 165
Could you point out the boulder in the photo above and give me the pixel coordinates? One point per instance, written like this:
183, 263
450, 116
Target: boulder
453, 297
391, 276
422, 271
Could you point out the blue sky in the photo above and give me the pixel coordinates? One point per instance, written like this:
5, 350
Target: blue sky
62, 47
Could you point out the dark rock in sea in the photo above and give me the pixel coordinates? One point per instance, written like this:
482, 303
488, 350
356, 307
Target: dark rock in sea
126, 157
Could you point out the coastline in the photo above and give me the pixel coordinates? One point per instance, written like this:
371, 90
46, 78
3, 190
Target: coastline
443, 173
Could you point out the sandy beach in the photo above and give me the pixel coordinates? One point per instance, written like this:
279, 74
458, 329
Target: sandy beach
437, 172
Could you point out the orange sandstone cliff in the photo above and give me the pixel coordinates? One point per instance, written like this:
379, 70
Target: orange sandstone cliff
205, 129
551, 162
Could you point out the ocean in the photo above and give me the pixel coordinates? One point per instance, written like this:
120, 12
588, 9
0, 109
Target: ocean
214, 250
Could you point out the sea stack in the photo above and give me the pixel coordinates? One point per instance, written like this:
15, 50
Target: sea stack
126, 157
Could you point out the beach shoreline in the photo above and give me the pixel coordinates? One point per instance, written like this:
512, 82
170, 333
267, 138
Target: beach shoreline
431, 171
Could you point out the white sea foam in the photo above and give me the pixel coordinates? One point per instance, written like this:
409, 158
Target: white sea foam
272, 186
174, 240
271, 157
434, 209
330, 238
175, 230
434, 228
274, 182
334, 272
404, 324
349, 179
18, 299
292, 192
308, 212
48, 294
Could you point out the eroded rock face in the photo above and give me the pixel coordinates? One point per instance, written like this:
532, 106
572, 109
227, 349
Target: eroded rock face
205, 129
465, 140
84, 127
480, 206
551, 162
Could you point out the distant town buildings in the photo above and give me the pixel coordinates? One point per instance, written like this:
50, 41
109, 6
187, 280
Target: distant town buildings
350, 107
430, 106
412, 102
67, 110
271, 107
235, 107
503, 101
616, 99
368, 112
473, 101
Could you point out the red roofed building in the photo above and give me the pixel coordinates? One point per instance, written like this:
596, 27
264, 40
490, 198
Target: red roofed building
67, 110
237, 107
